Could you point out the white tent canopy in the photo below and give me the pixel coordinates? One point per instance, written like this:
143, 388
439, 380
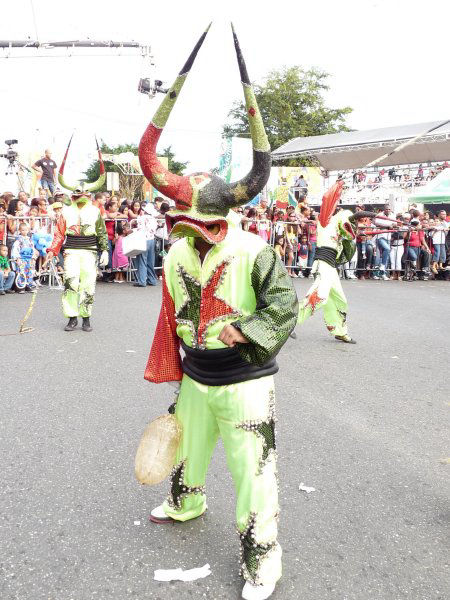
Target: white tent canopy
355, 149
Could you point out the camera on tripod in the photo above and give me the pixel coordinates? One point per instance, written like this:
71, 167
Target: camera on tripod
10, 155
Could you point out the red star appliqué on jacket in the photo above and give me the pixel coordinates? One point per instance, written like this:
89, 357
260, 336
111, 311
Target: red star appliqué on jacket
211, 307
313, 300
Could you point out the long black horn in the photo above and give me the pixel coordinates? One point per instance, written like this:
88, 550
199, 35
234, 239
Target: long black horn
247, 188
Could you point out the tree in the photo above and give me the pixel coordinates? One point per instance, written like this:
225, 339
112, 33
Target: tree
174, 165
130, 185
292, 105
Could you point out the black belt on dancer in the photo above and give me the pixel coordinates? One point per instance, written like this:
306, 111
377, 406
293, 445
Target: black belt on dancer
81, 242
223, 366
327, 255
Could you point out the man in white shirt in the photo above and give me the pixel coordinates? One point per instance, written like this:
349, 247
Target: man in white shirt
145, 262
439, 234
383, 241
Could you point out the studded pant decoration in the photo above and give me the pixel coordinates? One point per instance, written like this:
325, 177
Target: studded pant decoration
80, 274
326, 292
243, 415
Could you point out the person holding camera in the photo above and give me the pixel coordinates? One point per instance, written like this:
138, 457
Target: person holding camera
47, 167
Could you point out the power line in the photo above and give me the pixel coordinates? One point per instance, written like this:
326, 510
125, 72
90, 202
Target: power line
34, 19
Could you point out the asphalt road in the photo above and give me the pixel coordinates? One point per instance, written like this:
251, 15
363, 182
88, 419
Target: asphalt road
366, 425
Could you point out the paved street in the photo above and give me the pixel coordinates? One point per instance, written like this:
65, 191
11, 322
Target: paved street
365, 425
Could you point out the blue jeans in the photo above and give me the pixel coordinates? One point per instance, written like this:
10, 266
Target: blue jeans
145, 264
365, 255
412, 254
48, 185
110, 253
6, 282
384, 248
311, 255
439, 254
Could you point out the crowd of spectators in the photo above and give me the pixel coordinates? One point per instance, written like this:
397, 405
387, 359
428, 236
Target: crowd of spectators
22, 216
405, 245
403, 177
411, 245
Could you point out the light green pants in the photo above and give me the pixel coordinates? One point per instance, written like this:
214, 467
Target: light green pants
326, 292
243, 415
80, 275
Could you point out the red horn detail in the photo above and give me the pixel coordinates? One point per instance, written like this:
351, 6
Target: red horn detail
329, 202
63, 163
102, 166
173, 186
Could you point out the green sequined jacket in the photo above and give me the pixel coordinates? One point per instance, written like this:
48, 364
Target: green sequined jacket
240, 282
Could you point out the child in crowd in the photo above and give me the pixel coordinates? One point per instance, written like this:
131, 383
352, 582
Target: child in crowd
280, 245
34, 222
303, 251
134, 211
23, 253
119, 260
6, 274
250, 222
264, 225
2, 222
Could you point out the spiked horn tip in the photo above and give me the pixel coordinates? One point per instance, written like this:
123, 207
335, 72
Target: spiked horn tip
92, 187
247, 188
61, 169
330, 201
176, 187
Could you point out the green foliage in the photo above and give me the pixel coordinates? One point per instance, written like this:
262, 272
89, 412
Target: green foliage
174, 165
292, 105
93, 171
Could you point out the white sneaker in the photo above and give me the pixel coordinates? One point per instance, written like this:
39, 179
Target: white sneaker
158, 515
384, 277
257, 592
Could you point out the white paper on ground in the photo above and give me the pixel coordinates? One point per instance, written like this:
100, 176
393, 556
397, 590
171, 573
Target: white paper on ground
304, 488
180, 575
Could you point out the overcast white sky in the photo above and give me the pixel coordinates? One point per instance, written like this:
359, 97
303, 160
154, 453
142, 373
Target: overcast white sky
388, 60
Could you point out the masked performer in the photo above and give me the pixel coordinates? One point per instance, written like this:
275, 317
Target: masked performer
81, 229
335, 245
229, 303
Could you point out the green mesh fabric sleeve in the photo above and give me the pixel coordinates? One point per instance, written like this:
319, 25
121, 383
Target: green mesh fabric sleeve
275, 316
100, 232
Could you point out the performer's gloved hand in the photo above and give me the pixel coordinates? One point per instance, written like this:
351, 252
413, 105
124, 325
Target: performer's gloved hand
104, 258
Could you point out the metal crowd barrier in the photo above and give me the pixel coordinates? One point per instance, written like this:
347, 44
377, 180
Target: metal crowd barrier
410, 267
291, 231
269, 231
42, 222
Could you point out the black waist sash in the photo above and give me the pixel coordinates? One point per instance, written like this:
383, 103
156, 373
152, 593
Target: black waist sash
327, 255
223, 366
81, 242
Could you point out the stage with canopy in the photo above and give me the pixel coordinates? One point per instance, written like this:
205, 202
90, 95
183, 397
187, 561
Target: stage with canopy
356, 149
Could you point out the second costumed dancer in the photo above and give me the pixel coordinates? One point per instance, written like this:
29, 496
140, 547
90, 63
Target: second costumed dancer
336, 232
81, 229
229, 303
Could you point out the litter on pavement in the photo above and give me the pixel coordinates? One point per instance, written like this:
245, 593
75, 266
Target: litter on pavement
180, 575
304, 488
